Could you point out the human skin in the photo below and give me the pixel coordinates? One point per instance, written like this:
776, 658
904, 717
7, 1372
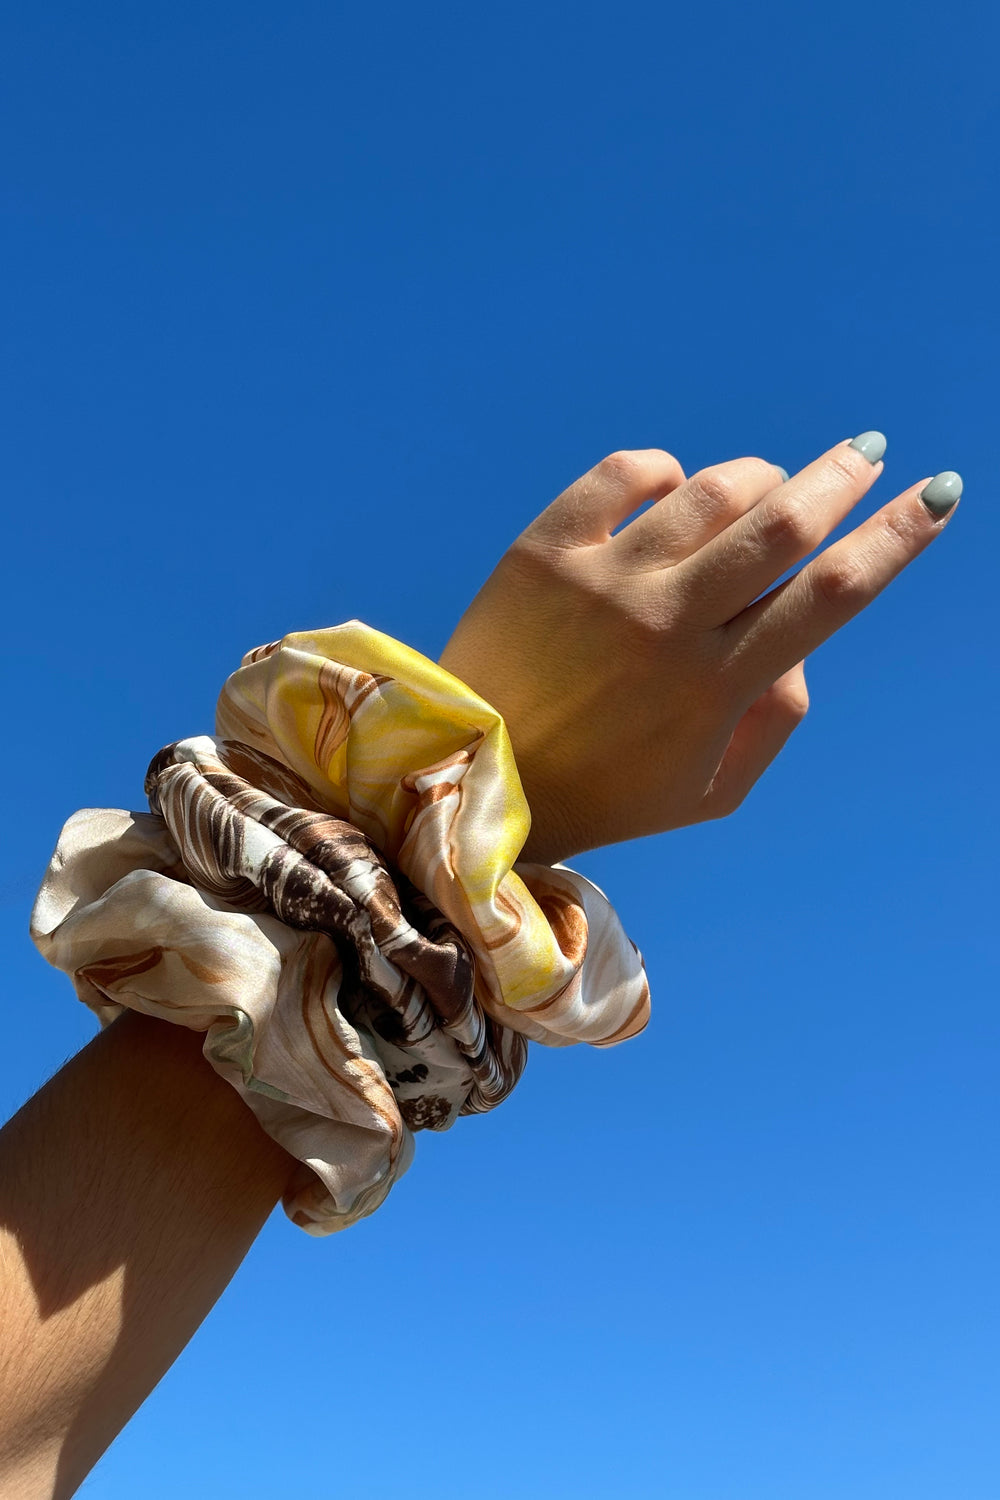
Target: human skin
131, 1187
643, 688
644, 683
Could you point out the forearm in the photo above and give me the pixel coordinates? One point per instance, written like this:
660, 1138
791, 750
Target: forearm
131, 1187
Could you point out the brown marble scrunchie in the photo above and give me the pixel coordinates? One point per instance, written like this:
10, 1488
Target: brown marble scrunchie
407, 977
328, 891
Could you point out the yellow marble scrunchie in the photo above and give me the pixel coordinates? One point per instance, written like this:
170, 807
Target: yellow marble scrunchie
350, 724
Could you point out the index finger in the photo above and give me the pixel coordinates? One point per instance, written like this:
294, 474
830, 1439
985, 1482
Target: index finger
728, 573
587, 513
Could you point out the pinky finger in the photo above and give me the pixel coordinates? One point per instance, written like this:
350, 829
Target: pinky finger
760, 735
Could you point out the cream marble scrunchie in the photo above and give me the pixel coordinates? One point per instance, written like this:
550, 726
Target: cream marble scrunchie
327, 888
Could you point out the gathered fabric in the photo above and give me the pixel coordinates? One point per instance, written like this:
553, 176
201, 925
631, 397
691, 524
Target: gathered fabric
327, 889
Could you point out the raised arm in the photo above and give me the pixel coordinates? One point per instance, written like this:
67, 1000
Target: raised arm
131, 1187
645, 684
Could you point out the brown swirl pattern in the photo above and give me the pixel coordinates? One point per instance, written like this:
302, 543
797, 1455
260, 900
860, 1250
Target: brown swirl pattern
330, 891
408, 977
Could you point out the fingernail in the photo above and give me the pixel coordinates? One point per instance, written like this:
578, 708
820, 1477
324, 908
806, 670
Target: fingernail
783, 473
941, 495
871, 444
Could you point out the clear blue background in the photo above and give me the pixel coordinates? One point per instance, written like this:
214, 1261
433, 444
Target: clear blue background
308, 310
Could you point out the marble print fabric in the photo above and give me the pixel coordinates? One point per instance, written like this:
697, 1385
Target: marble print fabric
327, 890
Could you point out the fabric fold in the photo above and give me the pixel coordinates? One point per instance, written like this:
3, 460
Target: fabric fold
327, 890
393, 744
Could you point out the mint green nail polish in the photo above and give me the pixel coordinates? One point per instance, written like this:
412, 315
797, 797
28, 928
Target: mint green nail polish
941, 495
871, 444
782, 472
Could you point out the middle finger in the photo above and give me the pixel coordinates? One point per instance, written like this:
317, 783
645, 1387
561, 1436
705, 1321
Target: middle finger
696, 511
734, 568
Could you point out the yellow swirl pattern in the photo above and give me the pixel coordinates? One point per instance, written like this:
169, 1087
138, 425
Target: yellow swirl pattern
389, 741
169, 913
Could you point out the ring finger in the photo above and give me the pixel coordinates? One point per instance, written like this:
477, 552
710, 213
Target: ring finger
695, 512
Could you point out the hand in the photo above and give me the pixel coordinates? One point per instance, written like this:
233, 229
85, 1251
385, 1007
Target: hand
642, 686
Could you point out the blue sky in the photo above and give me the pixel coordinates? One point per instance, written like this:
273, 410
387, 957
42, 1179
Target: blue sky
308, 310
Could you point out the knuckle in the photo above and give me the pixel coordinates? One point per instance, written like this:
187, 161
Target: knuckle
660, 463
717, 490
848, 469
784, 526
534, 559
842, 583
760, 467
737, 798
724, 804
621, 467
900, 526
795, 700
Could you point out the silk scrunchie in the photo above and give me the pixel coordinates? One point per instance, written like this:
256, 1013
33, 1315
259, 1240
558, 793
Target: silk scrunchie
349, 995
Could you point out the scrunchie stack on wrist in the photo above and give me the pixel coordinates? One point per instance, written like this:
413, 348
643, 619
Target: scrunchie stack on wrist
327, 889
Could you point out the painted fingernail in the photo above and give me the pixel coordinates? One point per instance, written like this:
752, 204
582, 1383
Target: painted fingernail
941, 495
871, 444
782, 472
